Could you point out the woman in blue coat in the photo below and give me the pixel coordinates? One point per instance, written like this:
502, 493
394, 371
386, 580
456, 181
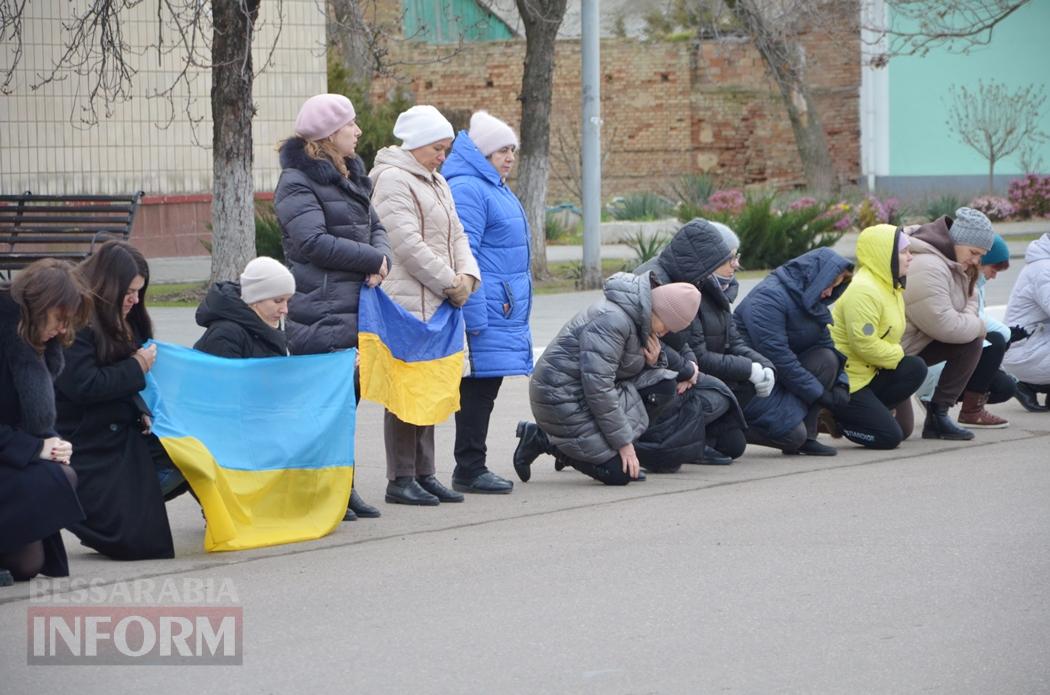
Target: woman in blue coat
497, 317
786, 318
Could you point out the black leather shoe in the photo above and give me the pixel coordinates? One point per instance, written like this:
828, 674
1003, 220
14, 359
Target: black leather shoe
349, 515
488, 483
408, 491
714, 457
532, 442
1028, 395
811, 447
939, 425
432, 485
361, 508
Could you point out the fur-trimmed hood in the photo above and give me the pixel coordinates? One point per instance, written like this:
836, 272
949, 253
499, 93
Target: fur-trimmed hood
32, 374
293, 156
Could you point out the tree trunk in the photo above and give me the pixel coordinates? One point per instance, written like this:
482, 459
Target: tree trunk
783, 59
233, 192
541, 18
991, 175
349, 35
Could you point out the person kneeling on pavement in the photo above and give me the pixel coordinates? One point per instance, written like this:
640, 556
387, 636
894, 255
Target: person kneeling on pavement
591, 387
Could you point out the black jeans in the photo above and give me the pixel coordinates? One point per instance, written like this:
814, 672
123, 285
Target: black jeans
824, 365
477, 397
609, 472
866, 419
987, 377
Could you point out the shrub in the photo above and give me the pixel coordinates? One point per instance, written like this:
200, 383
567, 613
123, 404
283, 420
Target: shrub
727, 202
944, 205
997, 209
376, 120
872, 211
1031, 196
268, 235
769, 237
693, 190
640, 207
646, 247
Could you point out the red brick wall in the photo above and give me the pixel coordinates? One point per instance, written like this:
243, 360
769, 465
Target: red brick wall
668, 108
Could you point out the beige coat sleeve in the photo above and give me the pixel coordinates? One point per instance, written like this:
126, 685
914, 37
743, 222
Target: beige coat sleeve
401, 216
928, 303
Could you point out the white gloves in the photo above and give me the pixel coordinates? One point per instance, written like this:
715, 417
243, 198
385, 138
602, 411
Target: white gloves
757, 375
765, 387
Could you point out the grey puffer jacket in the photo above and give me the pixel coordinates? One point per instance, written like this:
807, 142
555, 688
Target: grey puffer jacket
582, 391
332, 240
711, 340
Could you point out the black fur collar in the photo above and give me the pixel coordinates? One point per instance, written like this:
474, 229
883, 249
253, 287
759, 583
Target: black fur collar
293, 156
33, 375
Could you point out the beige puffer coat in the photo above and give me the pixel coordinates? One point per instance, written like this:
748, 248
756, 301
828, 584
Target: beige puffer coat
426, 238
939, 301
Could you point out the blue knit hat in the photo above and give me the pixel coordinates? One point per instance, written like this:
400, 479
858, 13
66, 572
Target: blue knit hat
999, 253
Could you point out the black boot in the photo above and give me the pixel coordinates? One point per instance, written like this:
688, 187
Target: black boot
361, 508
533, 442
6, 579
405, 490
432, 485
714, 457
939, 425
1028, 395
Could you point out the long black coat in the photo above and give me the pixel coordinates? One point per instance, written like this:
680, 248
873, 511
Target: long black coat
36, 499
100, 412
332, 240
234, 329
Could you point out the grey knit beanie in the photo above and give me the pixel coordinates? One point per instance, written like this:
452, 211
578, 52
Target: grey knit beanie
730, 238
972, 228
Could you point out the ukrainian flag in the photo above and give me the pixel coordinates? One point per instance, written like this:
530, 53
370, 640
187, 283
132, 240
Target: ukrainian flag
413, 368
266, 444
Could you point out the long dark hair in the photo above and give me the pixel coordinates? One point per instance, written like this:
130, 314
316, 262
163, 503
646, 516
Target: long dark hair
44, 285
108, 273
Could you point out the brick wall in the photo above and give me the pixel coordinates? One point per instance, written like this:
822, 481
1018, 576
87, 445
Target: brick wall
668, 108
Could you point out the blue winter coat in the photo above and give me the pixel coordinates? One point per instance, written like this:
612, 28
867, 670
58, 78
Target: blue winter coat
497, 316
783, 317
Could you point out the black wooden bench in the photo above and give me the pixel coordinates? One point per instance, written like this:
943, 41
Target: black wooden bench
61, 226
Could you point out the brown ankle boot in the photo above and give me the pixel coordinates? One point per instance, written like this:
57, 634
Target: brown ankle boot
974, 415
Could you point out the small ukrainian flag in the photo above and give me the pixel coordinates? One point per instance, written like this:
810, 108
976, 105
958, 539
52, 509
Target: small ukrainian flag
411, 367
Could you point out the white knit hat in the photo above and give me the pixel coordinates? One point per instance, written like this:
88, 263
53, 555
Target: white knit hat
422, 125
490, 133
265, 278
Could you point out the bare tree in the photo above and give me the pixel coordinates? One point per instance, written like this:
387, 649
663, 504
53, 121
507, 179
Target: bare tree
216, 36
541, 18
995, 121
567, 154
914, 27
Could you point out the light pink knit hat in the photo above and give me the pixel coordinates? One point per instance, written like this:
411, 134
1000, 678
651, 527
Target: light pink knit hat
490, 133
322, 115
676, 304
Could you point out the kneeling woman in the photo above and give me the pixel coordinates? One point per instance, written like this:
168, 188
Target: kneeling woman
868, 325
124, 473
39, 312
245, 319
585, 388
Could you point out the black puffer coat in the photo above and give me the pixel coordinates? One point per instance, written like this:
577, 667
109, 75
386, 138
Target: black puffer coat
234, 330
332, 240
582, 393
712, 340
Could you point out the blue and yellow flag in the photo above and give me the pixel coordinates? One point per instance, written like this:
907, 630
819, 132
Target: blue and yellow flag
413, 368
266, 444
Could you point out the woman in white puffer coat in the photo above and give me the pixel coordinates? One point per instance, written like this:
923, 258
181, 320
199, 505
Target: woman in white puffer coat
1029, 307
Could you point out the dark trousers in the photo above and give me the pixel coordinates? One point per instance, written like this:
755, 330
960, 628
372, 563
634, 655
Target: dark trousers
824, 365
987, 377
609, 472
409, 448
477, 397
960, 360
866, 419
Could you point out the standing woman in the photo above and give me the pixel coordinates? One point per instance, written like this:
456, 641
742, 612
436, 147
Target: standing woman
432, 263
868, 325
124, 473
497, 317
333, 239
39, 312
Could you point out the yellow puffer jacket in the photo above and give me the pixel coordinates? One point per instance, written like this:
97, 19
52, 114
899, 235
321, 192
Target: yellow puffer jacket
869, 316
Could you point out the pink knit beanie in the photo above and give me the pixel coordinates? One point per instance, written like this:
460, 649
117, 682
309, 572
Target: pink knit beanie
676, 304
490, 133
322, 115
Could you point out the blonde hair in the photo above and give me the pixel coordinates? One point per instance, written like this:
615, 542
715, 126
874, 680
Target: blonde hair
322, 149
